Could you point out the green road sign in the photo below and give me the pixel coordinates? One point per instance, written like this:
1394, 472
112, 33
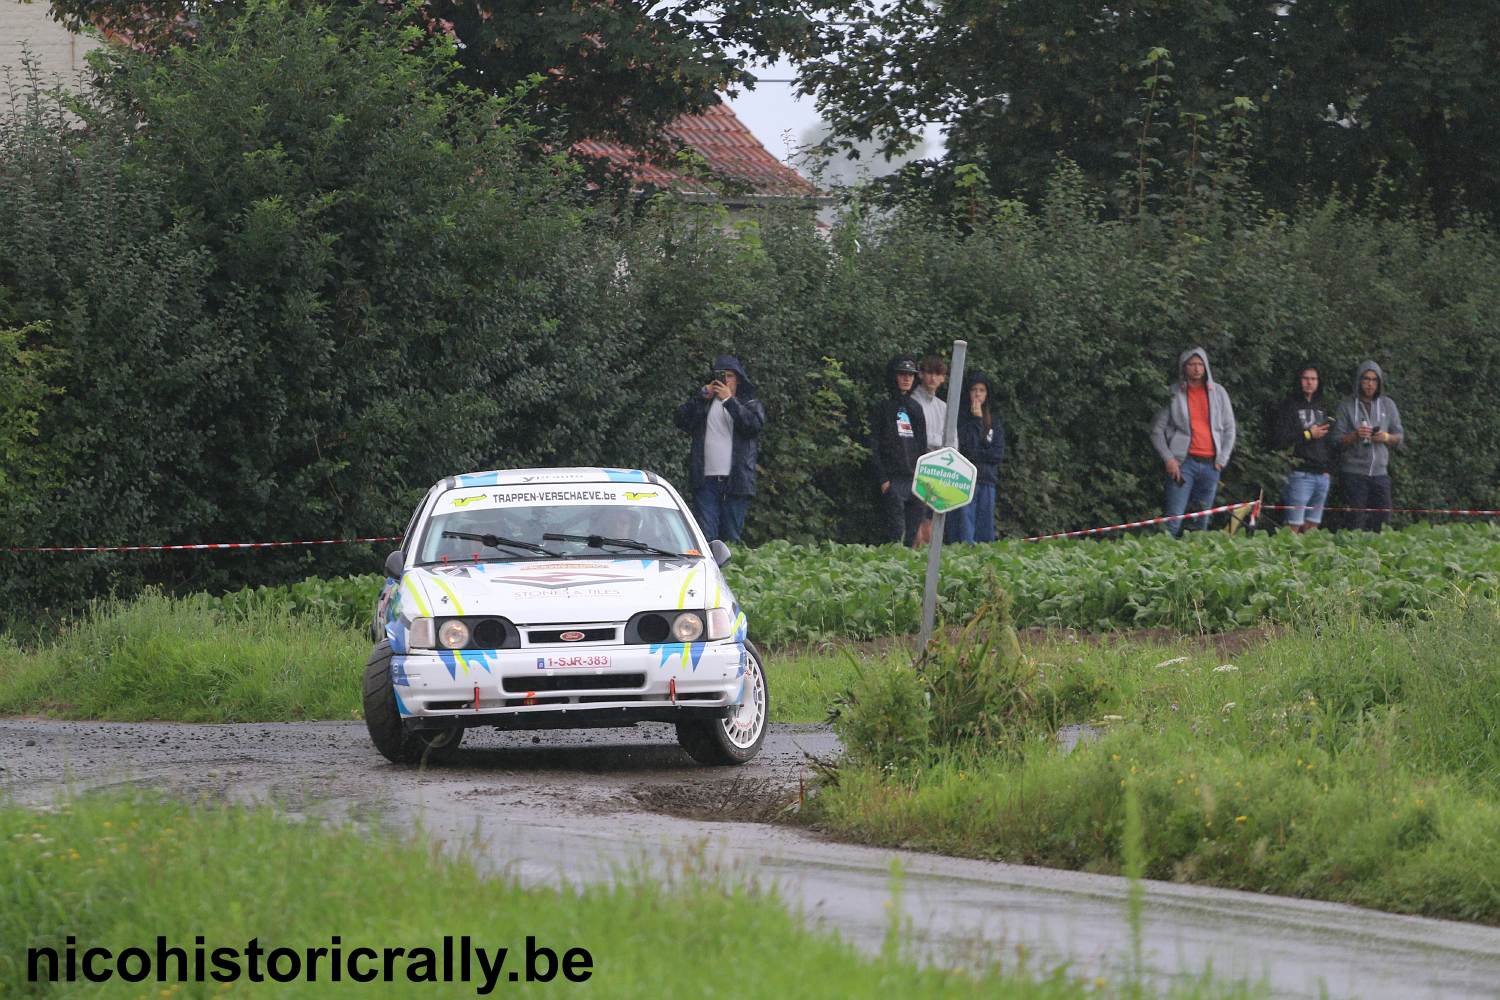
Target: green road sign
945, 480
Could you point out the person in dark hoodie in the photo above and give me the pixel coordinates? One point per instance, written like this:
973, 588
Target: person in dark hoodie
1194, 435
1302, 425
981, 439
1367, 427
725, 419
898, 437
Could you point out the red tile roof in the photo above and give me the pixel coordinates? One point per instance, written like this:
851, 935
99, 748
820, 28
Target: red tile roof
729, 148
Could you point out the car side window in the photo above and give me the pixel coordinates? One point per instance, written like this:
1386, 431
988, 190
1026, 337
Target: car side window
407, 539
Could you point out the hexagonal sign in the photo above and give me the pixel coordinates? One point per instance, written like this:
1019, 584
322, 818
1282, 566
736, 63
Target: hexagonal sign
945, 480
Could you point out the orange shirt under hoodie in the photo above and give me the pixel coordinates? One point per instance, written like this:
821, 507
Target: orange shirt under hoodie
1202, 443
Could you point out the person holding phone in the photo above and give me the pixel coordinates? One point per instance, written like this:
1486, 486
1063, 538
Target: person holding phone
1302, 424
1367, 427
725, 418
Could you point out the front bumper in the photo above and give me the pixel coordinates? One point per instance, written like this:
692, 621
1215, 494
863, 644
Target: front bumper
569, 685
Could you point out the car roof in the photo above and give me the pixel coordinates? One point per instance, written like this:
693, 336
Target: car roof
575, 474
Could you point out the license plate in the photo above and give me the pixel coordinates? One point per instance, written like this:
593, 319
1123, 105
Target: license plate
582, 660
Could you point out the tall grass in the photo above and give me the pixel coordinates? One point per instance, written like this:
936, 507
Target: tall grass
189, 659
116, 872
1351, 760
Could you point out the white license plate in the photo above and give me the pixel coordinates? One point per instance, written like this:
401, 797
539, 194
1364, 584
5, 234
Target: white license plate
581, 660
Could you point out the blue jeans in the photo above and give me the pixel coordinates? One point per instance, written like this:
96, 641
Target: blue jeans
959, 526
1305, 493
975, 521
1200, 482
721, 515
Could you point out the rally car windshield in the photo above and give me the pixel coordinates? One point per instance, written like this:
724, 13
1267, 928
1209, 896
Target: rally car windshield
543, 531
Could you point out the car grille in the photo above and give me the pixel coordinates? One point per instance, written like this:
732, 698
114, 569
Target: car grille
571, 682
537, 636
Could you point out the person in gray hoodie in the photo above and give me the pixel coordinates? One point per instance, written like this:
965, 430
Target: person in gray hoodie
1194, 435
1366, 427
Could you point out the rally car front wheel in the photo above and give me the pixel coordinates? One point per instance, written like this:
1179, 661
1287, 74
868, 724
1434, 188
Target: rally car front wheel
737, 738
390, 736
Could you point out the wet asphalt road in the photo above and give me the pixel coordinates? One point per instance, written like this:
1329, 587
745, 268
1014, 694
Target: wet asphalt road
578, 806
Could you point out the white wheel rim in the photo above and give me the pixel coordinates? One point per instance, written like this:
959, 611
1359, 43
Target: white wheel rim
744, 726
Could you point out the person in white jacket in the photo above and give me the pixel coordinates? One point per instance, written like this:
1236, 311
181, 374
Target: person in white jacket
1194, 435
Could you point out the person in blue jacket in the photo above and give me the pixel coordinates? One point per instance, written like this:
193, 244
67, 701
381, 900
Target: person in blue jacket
981, 439
725, 419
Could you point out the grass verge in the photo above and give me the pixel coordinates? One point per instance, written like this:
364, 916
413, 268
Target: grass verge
189, 660
114, 872
1350, 760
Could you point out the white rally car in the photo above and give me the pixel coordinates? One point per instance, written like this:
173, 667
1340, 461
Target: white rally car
560, 598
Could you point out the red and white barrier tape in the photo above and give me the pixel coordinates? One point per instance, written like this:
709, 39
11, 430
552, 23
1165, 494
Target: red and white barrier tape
1149, 521
1083, 532
200, 548
1463, 511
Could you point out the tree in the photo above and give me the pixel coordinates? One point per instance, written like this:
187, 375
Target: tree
1371, 97
294, 276
604, 70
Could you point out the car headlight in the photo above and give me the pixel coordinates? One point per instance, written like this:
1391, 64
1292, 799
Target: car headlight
419, 636
720, 623
454, 634
688, 627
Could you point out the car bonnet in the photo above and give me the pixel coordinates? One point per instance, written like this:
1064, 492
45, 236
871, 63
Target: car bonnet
564, 590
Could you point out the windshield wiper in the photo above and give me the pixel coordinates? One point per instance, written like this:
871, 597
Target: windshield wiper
598, 541
496, 541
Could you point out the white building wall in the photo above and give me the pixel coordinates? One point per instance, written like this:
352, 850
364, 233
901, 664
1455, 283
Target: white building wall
58, 52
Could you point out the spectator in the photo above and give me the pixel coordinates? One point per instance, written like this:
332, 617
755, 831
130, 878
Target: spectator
898, 437
725, 419
1302, 424
981, 439
1368, 426
932, 373
1194, 435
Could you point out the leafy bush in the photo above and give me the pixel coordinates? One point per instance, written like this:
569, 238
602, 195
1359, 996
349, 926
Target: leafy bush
883, 719
980, 687
973, 692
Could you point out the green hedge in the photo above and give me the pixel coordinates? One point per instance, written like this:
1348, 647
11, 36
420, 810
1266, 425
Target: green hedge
280, 316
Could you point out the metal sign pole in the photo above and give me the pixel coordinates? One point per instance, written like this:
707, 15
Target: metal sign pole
935, 548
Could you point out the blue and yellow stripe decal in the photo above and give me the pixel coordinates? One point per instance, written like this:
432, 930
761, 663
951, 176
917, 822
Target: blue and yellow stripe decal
410, 586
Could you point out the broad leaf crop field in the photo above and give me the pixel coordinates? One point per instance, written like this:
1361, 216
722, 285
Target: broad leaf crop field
1206, 583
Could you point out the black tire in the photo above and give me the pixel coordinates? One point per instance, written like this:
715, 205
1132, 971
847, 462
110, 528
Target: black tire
738, 738
383, 720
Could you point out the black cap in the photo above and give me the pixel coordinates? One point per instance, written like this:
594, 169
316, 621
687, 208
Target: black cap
906, 365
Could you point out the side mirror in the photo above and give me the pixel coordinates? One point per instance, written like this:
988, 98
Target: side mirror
395, 563
719, 551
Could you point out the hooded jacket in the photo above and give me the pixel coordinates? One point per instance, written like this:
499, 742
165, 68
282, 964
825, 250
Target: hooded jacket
1367, 458
1172, 429
985, 450
898, 431
747, 413
1296, 414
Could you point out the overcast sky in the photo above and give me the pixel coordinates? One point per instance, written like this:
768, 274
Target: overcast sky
780, 118
774, 112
